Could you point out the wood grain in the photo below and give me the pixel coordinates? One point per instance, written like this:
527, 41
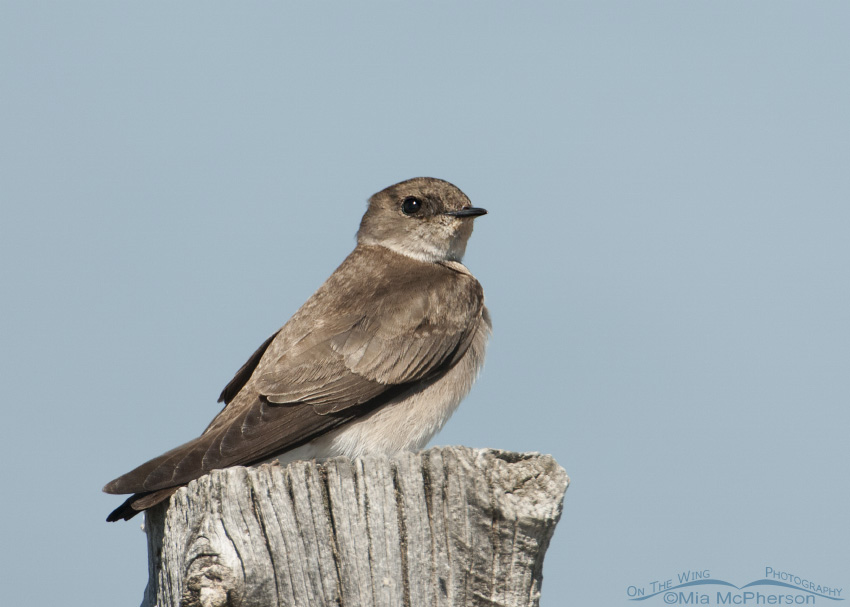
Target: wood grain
447, 526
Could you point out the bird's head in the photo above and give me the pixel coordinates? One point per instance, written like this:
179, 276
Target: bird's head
424, 218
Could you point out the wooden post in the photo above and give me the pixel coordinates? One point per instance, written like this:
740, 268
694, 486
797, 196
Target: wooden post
447, 526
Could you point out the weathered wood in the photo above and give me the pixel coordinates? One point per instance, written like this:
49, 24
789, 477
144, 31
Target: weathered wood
447, 526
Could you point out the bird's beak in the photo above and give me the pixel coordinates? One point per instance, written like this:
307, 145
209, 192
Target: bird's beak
467, 212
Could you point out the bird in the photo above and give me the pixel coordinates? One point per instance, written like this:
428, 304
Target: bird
374, 362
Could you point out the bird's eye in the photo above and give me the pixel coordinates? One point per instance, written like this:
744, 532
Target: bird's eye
411, 205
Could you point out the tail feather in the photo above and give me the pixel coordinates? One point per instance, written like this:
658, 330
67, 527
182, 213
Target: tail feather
138, 502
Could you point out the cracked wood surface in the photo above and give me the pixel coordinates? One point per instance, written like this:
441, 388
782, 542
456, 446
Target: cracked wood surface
447, 526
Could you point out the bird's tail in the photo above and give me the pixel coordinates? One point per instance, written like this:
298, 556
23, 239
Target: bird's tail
138, 502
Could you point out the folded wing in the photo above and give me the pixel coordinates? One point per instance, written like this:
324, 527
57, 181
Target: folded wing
377, 328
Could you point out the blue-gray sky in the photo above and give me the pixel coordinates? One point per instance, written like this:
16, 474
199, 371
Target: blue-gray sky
666, 256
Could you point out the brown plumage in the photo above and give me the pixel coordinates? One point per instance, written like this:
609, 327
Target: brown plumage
375, 360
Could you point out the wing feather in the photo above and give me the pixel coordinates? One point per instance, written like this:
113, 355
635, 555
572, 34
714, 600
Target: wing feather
377, 327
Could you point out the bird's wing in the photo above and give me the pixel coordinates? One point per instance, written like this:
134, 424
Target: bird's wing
352, 347
391, 335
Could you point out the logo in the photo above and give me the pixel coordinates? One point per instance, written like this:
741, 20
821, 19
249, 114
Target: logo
699, 588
